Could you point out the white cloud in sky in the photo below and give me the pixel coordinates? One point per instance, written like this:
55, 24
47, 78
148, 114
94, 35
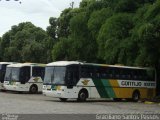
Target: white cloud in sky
36, 11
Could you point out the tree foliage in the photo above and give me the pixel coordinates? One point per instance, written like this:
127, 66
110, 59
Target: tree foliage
24, 42
116, 31
103, 31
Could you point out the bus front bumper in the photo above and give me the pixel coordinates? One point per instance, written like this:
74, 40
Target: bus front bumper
58, 94
51, 93
16, 87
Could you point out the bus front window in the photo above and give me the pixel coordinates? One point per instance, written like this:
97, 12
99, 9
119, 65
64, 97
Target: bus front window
15, 74
8, 74
48, 74
59, 75
12, 74
55, 75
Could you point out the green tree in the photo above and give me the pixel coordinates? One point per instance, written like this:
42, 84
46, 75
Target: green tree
113, 32
5, 42
60, 50
12, 54
126, 6
63, 23
83, 45
52, 29
97, 19
34, 52
15, 40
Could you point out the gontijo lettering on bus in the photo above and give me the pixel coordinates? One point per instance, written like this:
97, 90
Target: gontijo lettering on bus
125, 83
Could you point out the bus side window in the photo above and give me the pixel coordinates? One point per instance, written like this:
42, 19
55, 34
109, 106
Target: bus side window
103, 73
122, 74
25, 74
38, 72
117, 73
87, 72
134, 75
97, 72
128, 74
83, 72
145, 75
110, 73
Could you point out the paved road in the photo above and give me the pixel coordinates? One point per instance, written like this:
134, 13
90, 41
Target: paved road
13, 103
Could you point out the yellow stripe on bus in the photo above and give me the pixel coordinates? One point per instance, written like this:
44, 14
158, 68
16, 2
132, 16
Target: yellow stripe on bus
122, 92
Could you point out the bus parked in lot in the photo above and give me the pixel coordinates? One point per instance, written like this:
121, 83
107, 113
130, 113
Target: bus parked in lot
24, 77
72, 79
3, 66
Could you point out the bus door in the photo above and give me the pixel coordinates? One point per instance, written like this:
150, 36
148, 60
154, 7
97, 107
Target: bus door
25, 74
72, 76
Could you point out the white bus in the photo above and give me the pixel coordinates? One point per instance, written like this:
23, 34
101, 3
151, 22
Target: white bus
3, 66
24, 77
71, 79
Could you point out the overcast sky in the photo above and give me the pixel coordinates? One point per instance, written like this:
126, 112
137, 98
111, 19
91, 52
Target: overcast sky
36, 11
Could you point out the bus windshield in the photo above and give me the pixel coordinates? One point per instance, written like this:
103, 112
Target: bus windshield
55, 75
12, 74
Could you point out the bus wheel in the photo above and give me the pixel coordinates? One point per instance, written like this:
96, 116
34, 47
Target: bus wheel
83, 95
33, 89
63, 99
136, 96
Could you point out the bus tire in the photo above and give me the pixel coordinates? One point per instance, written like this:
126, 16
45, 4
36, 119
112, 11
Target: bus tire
83, 95
63, 99
33, 89
136, 96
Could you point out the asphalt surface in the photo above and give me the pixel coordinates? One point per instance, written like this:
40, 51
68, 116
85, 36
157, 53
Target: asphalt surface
42, 107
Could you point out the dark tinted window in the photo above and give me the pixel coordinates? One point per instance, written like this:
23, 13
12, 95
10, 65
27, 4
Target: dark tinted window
3, 67
100, 72
2, 72
72, 76
87, 71
38, 72
25, 74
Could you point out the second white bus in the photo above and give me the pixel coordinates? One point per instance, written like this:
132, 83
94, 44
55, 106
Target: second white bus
24, 77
